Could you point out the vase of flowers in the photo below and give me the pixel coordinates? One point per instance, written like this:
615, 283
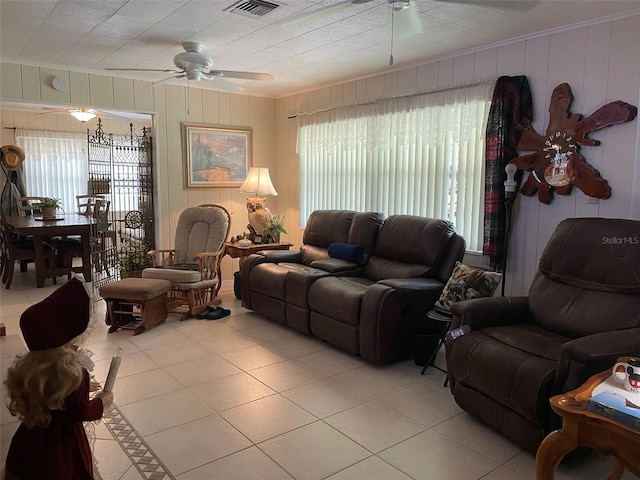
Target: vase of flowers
274, 227
132, 259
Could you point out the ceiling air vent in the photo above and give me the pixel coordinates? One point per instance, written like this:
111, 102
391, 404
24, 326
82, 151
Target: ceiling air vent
252, 8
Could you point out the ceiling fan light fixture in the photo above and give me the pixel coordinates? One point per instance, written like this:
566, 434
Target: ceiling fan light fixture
83, 114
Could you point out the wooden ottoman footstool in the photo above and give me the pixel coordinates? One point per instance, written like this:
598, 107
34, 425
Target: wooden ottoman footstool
133, 299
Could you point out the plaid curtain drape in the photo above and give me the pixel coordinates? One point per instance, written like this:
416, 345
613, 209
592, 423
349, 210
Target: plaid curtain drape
511, 111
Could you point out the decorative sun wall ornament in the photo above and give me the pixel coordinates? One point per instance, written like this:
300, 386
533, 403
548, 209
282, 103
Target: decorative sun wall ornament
557, 163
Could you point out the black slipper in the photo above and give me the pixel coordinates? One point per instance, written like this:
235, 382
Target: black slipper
217, 314
209, 309
213, 313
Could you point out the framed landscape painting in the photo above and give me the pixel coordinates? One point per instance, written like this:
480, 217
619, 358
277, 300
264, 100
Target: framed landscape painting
216, 156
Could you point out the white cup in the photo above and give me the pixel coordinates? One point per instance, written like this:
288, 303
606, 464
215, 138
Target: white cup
629, 375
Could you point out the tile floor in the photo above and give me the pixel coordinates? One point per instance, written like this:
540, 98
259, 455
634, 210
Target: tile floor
243, 398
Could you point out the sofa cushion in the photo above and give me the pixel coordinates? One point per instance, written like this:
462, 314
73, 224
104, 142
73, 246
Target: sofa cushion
412, 239
519, 383
327, 226
466, 283
338, 298
378, 268
347, 251
599, 254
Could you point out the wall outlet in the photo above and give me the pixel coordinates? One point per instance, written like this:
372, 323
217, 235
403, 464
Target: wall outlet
592, 201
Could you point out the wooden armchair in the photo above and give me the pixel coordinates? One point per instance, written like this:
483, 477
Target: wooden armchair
193, 266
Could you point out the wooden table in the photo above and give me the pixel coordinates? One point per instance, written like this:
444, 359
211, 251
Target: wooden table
69, 224
582, 428
235, 250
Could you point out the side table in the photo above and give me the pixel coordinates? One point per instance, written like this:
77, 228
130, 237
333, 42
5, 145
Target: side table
234, 250
583, 428
442, 323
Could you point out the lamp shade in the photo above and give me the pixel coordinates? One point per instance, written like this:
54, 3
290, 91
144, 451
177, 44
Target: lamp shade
82, 114
258, 182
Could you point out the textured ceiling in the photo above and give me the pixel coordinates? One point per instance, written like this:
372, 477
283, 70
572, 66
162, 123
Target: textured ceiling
347, 43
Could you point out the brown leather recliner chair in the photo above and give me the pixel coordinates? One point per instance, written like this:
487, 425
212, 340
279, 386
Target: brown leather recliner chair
582, 312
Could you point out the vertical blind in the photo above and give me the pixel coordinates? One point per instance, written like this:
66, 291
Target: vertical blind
421, 155
56, 164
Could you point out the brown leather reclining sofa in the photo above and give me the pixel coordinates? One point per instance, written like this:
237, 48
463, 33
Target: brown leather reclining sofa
359, 281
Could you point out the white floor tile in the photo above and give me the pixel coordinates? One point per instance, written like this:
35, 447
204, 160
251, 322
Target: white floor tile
314, 451
231, 391
249, 464
432, 456
374, 425
372, 468
267, 417
202, 370
197, 443
325, 397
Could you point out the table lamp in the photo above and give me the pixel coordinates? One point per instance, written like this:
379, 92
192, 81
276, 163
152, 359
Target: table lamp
258, 182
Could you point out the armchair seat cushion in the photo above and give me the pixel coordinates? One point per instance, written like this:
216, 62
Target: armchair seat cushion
173, 275
522, 379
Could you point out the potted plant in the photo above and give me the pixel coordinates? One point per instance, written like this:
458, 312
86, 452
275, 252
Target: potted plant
48, 206
132, 259
274, 227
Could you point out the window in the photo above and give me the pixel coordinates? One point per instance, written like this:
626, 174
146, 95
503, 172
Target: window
56, 165
422, 155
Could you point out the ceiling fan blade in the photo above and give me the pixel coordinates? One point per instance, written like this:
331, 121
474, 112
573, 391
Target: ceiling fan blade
165, 80
316, 12
407, 20
223, 84
144, 70
522, 5
236, 74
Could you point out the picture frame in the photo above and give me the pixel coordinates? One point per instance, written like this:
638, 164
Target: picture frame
216, 156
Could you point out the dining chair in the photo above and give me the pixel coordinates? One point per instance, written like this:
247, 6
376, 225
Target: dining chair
16, 249
28, 205
85, 204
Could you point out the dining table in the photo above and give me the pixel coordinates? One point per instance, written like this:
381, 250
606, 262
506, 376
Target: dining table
62, 225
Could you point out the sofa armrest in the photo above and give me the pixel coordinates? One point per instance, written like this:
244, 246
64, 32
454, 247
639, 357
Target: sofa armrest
336, 266
490, 311
279, 256
415, 289
247, 265
585, 356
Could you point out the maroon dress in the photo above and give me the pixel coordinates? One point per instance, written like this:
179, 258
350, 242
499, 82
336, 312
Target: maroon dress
61, 451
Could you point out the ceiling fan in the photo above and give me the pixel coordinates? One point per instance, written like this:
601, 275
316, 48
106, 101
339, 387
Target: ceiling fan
194, 65
84, 114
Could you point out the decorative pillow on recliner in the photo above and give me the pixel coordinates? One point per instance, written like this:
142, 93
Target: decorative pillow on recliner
347, 251
465, 283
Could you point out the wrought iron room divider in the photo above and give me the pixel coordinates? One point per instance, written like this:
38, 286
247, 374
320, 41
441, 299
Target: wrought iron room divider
121, 172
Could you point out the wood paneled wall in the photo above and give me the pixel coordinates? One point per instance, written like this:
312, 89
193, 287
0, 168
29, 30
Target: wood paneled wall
169, 107
601, 64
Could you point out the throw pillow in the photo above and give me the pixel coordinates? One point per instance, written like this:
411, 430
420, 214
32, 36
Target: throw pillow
465, 283
347, 251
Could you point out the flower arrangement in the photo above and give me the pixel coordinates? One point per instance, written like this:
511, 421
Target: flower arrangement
274, 227
132, 259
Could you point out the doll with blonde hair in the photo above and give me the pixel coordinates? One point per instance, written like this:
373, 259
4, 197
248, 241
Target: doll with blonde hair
49, 391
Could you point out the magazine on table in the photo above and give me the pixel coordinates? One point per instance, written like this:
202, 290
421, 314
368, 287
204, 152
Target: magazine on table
610, 399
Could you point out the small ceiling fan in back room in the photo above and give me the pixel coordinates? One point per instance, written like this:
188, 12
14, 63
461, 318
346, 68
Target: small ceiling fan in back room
194, 65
